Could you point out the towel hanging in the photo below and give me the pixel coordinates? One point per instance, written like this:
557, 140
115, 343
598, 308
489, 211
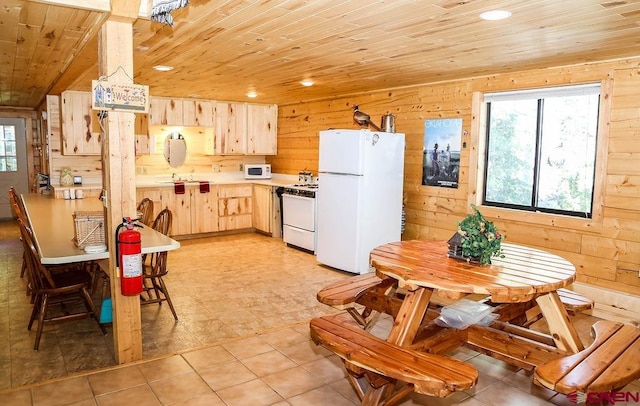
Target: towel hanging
161, 10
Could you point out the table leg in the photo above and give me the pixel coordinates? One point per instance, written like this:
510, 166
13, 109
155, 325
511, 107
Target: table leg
404, 330
562, 330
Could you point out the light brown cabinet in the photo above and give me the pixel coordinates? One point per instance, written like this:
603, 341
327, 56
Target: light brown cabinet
181, 112
244, 129
165, 111
81, 134
197, 113
204, 212
230, 128
262, 130
192, 212
262, 208
235, 205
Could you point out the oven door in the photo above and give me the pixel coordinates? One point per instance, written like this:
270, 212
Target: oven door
299, 212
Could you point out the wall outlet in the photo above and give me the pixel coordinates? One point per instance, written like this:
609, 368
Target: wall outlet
215, 168
240, 167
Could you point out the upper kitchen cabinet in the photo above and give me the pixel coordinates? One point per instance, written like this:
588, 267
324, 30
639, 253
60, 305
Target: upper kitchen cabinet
262, 129
165, 111
244, 129
230, 128
197, 113
80, 125
181, 112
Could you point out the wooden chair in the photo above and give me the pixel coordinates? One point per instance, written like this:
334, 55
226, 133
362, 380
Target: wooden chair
145, 207
18, 209
153, 285
162, 222
64, 289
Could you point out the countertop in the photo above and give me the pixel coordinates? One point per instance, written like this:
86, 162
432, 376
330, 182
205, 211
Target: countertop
214, 179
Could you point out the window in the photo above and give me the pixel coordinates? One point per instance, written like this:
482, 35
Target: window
8, 153
541, 149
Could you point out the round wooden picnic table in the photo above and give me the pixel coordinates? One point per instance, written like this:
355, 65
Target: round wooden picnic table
521, 275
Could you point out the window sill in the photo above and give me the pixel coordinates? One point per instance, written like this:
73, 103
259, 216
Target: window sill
592, 225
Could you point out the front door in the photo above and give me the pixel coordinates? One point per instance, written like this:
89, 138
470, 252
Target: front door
13, 161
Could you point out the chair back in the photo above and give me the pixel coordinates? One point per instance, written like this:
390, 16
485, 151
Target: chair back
162, 223
38, 276
146, 208
17, 205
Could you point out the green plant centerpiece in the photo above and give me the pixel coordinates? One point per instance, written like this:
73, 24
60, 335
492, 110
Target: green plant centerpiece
479, 238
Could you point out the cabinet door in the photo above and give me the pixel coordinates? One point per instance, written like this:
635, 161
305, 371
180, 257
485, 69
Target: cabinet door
230, 128
234, 207
80, 126
144, 141
262, 198
204, 211
165, 111
180, 206
197, 113
262, 129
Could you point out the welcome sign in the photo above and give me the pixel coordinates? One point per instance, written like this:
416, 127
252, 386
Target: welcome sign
119, 97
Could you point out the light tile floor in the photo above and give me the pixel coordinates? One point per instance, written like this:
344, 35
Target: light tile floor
232, 345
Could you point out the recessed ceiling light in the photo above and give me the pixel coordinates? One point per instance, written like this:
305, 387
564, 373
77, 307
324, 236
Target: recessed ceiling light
142, 48
252, 94
494, 15
163, 68
307, 82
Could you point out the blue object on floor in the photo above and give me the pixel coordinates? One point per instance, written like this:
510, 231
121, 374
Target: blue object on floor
105, 311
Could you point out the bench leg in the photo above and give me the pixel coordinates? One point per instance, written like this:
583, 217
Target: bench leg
404, 330
562, 330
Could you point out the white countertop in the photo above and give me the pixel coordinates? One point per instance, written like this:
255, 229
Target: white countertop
52, 224
215, 179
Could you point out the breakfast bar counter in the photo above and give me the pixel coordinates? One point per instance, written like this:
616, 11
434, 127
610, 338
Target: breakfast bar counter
53, 226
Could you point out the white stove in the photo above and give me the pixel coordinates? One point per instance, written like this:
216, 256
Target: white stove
299, 215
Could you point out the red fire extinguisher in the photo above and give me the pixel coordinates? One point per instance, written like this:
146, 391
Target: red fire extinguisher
129, 258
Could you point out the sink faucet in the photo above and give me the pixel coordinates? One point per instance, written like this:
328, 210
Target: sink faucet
173, 176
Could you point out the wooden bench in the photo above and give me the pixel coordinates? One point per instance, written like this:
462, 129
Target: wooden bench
574, 302
429, 374
609, 363
344, 294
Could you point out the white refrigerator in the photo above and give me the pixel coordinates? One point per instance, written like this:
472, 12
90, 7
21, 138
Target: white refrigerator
359, 197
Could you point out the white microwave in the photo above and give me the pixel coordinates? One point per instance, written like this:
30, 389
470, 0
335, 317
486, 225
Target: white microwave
257, 171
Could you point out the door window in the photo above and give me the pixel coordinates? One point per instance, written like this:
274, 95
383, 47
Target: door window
8, 150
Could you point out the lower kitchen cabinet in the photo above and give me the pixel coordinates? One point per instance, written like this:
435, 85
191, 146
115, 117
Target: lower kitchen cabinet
235, 205
204, 210
192, 212
262, 208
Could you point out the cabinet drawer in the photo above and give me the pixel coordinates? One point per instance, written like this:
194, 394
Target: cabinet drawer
234, 206
234, 222
235, 191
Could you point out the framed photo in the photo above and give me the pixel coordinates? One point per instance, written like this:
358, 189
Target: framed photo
441, 152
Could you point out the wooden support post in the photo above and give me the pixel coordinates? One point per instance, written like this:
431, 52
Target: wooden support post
115, 61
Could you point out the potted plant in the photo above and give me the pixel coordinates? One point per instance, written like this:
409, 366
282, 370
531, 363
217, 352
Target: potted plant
477, 239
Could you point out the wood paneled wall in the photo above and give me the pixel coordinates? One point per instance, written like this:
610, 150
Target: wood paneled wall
607, 256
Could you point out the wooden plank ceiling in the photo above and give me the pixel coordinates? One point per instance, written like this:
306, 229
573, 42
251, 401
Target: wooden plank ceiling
222, 48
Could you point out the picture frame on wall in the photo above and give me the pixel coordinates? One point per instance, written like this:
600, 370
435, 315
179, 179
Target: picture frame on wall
441, 152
